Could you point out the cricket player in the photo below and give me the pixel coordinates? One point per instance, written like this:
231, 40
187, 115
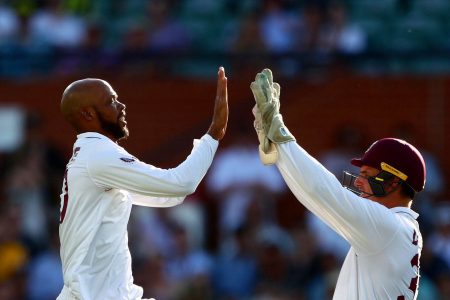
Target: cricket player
373, 213
102, 182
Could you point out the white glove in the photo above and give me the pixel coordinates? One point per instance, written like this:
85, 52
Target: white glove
270, 122
268, 153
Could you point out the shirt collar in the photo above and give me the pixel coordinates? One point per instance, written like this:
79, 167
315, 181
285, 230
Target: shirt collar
92, 135
405, 210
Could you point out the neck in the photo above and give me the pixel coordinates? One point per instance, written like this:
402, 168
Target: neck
82, 129
391, 201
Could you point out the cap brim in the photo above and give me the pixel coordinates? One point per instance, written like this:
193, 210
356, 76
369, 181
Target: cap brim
357, 162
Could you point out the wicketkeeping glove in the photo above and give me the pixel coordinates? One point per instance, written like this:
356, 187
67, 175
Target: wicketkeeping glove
271, 128
268, 153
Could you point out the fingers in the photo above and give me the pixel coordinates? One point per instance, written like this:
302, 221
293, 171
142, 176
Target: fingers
258, 92
221, 71
258, 118
255, 110
277, 89
220, 116
222, 91
222, 96
268, 74
263, 82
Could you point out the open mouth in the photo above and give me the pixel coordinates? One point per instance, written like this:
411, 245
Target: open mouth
122, 119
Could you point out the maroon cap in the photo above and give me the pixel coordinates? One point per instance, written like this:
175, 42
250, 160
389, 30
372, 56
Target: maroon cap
396, 157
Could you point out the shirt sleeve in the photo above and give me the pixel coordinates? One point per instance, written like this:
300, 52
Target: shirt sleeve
366, 225
116, 168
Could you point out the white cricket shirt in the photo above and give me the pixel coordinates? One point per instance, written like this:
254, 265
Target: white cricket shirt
383, 261
101, 183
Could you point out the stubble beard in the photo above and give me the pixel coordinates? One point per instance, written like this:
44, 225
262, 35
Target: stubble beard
115, 129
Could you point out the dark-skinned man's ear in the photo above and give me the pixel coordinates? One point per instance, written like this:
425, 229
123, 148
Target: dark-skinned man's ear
87, 114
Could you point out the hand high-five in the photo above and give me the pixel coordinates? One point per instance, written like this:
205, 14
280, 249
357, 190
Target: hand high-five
268, 121
219, 122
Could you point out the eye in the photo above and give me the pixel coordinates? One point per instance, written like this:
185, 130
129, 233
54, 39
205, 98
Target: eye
364, 176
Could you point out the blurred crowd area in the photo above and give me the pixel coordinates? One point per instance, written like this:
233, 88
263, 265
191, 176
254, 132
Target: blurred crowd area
186, 37
241, 236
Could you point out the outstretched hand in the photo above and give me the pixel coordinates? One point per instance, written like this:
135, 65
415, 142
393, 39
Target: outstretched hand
219, 122
268, 123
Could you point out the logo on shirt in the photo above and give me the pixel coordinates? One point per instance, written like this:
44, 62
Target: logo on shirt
127, 159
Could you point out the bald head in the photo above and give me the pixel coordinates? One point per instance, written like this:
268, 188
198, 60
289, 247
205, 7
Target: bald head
80, 94
91, 105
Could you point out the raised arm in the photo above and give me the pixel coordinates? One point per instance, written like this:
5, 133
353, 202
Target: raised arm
166, 187
365, 224
220, 115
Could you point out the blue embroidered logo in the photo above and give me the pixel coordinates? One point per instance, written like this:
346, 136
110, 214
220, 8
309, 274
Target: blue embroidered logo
126, 159
283, 131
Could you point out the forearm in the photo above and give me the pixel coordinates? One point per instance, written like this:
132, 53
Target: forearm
310, 182
320, 192
184, 179
140, 178
356, 219
156, 201
193, 169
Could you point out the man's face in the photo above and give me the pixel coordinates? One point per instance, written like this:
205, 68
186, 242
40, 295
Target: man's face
111, 115
362, 183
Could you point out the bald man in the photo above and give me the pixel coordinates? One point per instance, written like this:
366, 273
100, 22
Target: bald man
102, 181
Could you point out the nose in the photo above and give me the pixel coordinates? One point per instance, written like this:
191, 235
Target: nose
358, 182
121, 105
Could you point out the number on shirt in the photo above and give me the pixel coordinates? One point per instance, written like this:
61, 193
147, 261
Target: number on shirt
414, 263
65, 198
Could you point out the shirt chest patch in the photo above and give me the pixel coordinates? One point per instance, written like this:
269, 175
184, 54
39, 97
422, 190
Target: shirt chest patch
127, 159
